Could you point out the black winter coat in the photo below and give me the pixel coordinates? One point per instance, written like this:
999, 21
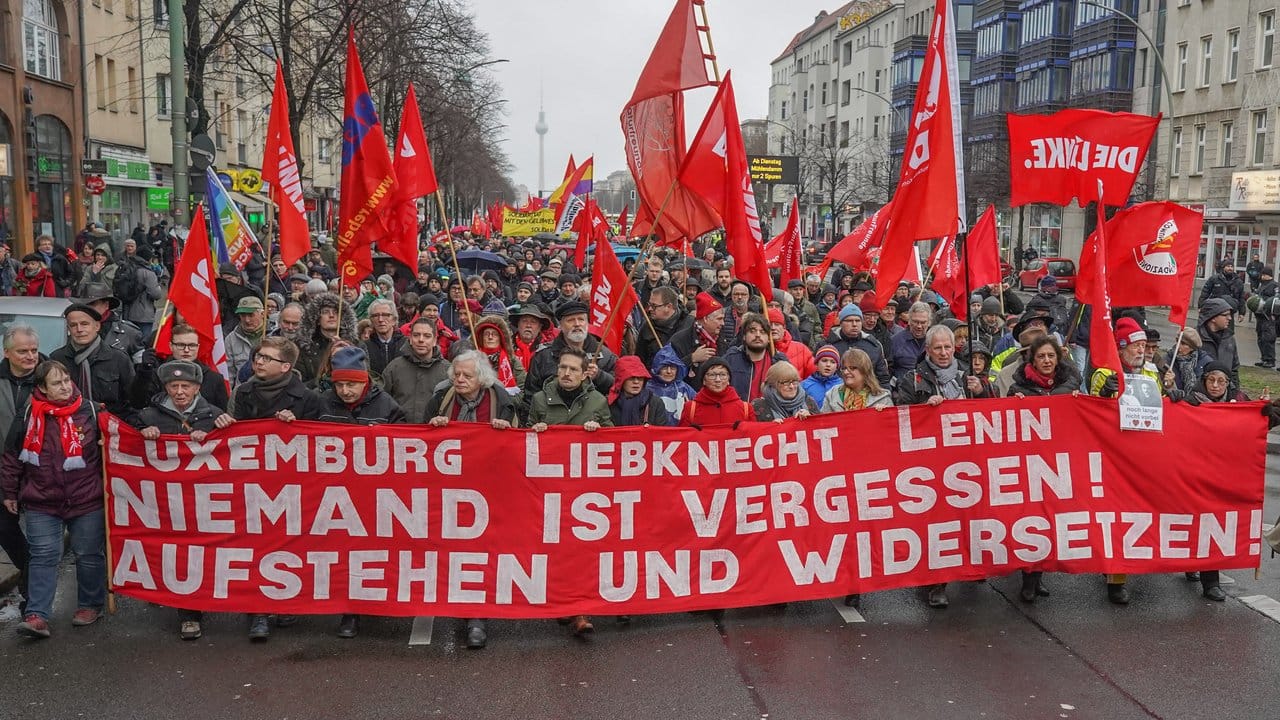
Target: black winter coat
170, 422
249, 404
1066, 380
377, 408
547, 358
648, 344
380, 353
111, 377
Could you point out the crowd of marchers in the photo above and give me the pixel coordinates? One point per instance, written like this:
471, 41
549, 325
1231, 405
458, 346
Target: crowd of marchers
510, 345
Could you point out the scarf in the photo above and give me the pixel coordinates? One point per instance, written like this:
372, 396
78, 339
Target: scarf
64, 415
1036, 378
363, 394
705, 339
948, 379
269, 390
782, 407
707, 397
502, 364
467, 409
853, 399
81, 360
631, 408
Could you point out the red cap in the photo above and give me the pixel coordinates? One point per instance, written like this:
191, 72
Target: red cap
1128, 331
705, 305
775, 316
868, 304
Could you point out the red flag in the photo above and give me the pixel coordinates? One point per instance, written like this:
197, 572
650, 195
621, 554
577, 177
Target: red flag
479, 226
280, 169
591, 226
494, 215
929, 202
622, 222
1092, 287
533, 204
1151, 256
368, 180
415, 178
716, 169
855, 248
783, 252
612, 297
948, 277
195, 296
653, 128
1060, 157
982, 250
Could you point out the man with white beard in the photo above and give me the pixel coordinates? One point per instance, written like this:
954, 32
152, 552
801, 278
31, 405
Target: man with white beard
571, 318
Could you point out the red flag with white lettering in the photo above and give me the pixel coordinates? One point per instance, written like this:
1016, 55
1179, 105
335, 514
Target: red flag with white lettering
195, 296
929, 201
612, 297
783, 252
716, 169
855, 248
1061, 157
416, 177
280, 170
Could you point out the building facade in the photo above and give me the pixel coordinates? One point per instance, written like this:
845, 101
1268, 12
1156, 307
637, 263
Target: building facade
42, 121
1219, 139
829, 105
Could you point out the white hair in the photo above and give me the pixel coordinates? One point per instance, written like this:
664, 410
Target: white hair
937, 330
485, 374
12, 332
918, 307
385, 302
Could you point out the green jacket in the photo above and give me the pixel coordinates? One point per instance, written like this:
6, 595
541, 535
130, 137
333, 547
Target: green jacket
550, 408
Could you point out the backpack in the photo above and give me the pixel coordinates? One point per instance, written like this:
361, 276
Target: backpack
126, 286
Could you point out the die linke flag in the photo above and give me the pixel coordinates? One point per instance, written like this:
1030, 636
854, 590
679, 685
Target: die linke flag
716, 168
929, 201
195, 297
415, 177
1151, 256
368, 180
280, 169
612, 297
783, 252
1061, 157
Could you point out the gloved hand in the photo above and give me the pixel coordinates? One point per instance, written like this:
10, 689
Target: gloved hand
1110, 386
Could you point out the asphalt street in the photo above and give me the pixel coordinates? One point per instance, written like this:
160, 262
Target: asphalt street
1170, 654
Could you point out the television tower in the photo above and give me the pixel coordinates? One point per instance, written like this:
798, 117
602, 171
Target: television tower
541, 128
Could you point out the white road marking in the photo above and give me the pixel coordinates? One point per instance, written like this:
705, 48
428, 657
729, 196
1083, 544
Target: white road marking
1266, 605
421, 634
849, 614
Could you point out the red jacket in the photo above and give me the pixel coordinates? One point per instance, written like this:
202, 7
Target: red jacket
797, 354
708, 408
39, 286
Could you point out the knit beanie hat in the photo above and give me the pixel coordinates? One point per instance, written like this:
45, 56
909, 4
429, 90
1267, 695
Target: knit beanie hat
349, 365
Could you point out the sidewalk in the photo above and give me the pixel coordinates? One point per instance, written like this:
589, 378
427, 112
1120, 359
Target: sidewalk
8, 575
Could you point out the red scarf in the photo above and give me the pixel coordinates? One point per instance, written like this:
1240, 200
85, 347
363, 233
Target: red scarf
1044, 381
706, 339
502, 364
33, 443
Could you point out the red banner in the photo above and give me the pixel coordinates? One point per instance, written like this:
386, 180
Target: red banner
467, 521
1060, 157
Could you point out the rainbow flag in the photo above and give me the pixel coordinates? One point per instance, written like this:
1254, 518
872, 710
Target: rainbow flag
232, 239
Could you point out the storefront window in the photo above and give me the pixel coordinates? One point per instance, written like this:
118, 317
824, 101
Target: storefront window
7, 220
1045, 231
51, 207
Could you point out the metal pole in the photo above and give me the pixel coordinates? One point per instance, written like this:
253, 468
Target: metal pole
178, 111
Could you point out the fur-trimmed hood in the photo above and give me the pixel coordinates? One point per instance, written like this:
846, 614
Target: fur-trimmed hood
308, 332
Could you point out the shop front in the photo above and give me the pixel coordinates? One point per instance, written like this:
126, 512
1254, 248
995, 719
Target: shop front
1249, 224
123, 204
8, 200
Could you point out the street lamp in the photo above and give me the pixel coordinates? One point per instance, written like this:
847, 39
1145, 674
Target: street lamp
1164, 74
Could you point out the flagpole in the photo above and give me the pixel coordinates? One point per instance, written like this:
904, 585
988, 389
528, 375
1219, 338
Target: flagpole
266, 284
705, 29
164, 318
453, 253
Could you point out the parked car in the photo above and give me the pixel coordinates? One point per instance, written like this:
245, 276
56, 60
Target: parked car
43, 314
1064, 269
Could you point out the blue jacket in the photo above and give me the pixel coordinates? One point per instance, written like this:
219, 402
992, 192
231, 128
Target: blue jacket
905, 352
673, 394
816, 386
741, 367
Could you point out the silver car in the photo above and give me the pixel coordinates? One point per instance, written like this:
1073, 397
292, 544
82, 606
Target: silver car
43, 314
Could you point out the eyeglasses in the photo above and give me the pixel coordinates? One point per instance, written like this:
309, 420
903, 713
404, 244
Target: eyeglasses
717, 376
263, 357
846, 370
655, 306
784, 383
184, 346
381, 315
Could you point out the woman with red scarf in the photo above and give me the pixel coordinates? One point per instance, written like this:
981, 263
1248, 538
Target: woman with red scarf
52, 469
1047, 371
717, 402
494, 340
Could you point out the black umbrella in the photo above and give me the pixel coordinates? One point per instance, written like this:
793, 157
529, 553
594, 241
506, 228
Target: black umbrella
480, 260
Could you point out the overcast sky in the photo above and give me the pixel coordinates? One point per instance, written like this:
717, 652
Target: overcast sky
587, 54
